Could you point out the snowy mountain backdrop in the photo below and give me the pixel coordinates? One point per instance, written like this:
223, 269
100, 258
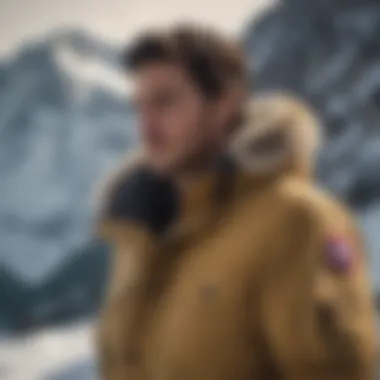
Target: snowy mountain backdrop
64, 122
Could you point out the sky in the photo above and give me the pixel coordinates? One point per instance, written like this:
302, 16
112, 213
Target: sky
116, 20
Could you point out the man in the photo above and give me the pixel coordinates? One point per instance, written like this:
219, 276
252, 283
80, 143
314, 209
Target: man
228, 263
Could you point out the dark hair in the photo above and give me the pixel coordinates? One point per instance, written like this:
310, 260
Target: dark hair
211, 60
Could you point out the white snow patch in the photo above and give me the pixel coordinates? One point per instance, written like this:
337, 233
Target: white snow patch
41, 354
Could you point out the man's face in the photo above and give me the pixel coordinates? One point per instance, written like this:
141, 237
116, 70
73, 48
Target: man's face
178, 127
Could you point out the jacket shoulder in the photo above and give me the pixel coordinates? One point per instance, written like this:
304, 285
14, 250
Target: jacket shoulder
309, 216
299, 197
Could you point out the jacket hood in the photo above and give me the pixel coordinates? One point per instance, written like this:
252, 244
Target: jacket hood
279, 134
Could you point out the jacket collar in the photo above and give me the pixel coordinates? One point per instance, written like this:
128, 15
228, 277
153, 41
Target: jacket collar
205, 203
204, 199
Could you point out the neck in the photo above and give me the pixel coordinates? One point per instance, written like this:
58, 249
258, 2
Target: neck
187, 177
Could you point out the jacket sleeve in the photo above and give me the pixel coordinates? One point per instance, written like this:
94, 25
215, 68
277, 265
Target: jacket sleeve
318, 312
133, 249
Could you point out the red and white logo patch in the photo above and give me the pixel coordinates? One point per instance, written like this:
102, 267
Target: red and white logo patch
339, 254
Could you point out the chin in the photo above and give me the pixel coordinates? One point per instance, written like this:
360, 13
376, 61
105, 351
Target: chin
161, 167
166, 165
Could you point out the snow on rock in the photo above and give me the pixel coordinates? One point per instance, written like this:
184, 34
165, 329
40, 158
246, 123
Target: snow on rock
47, 354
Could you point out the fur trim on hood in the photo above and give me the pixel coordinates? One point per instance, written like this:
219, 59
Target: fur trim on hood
280, 133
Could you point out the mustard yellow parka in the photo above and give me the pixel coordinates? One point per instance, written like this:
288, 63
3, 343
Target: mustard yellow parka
271, 283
